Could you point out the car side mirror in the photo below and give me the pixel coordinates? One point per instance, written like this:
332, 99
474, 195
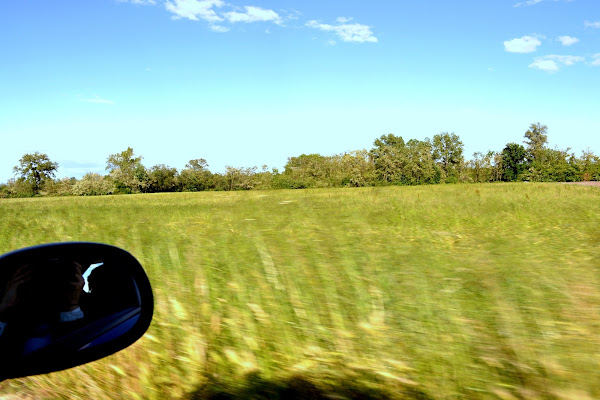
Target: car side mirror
67, 304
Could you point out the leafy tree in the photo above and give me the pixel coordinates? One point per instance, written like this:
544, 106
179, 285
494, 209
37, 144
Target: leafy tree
448, 153
35, 169
264, 178
481, 166
127, 171
421, 167
238, 178
537, 137
357, 168
18, 188
60, 187
513, 162
196, 176
163, 179
198, 165
312, 170
407, 163
589, 165
93, 184
497, 167
555, 165
389, 157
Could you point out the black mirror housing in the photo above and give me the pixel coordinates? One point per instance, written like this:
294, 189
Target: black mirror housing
67, 304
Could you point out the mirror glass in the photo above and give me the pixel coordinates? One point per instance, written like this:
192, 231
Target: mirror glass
63, 305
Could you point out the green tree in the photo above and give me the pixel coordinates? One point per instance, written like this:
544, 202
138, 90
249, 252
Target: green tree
127, 171
448, 153
312, 170
93, 184
199, 165
389, 157
196, 176
264, 178
163, 179
497, 167
35, 169
536, 139
18, 188
481, 166
554, 165
513, 162
60, 187
239, 178
589, 164
421, 167
405, 163
357, 168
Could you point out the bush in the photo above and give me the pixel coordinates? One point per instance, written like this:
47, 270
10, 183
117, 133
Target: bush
18, 188
93, 184
59, 187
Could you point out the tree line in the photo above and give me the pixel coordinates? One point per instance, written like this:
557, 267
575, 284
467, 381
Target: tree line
391, 161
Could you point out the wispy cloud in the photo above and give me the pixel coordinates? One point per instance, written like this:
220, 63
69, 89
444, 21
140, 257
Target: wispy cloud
142, 2
596, 60
593, 25
566, 60
525, 44
97, 100
347, 32
567, 40
544, 65
553, 62
219, 28
195, 10
528, 3
534, 2
253, 14
343, 20
291, 14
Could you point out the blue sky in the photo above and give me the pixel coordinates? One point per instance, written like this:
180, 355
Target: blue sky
252, 82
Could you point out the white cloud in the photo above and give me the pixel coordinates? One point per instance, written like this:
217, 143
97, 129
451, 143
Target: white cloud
253, 14
525, 44
567, 40
97, 100
593, 25
596, 60
195, 10
566, 60
528, 3
291, 14
343, 20
533, 2
219, 28
544, 65
347, 32
553, 62
142, 2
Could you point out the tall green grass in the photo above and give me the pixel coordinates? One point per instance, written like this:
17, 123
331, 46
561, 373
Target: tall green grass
441, 292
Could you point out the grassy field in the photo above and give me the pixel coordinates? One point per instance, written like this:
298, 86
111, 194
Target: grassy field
434, 292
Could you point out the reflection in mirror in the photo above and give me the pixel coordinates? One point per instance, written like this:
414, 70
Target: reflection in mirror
61, 302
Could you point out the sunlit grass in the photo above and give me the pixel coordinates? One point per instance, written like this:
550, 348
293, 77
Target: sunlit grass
451, 291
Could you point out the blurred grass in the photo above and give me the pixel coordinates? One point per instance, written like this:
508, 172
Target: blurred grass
441, 292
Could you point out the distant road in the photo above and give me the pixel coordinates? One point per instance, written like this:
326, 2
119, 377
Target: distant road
588, 183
